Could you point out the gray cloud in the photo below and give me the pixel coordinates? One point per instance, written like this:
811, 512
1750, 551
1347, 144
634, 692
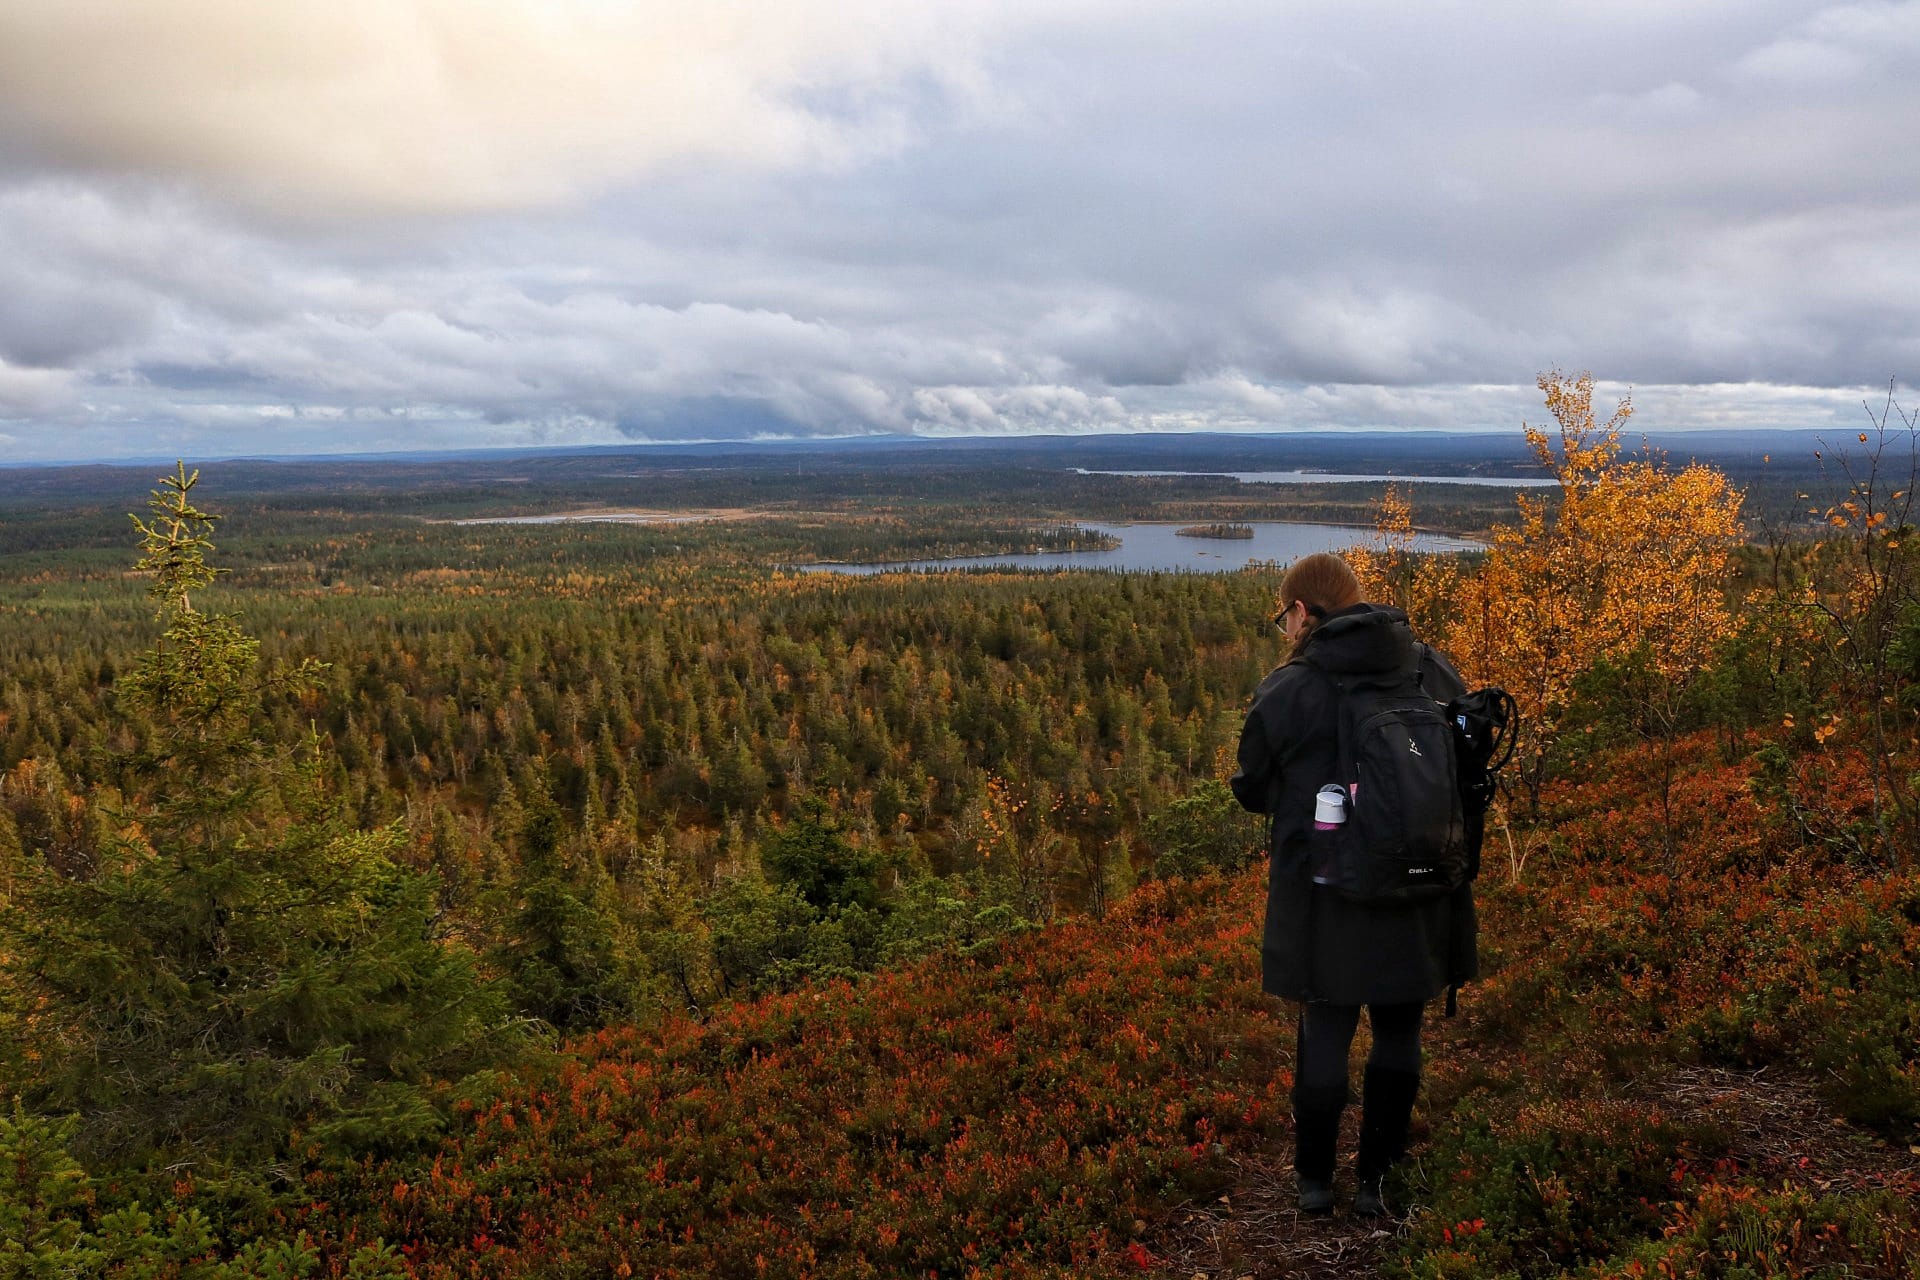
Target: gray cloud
973, 219
25, 393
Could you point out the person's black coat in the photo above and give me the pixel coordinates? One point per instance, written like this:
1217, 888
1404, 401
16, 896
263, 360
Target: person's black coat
1318, 945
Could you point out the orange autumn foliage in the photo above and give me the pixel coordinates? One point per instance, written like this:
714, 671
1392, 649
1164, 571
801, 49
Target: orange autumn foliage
1627, 557
1391, 572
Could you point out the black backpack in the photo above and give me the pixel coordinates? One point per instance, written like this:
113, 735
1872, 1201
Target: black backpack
1418, 776
1486, 726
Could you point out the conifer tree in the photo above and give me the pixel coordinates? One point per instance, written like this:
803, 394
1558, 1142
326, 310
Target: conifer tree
12, 852
812, 854
242, 961
674, 939
568, 955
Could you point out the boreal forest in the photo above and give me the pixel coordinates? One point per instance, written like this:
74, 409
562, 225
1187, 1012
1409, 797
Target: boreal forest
394, 882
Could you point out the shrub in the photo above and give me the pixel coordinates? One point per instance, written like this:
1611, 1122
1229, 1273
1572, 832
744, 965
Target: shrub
1203, 831
1543, 1186
1002, 1116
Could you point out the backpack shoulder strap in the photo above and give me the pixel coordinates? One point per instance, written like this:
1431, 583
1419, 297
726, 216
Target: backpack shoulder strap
1342, 693
1423, 666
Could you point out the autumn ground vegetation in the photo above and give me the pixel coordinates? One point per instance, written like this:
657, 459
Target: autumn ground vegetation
504, 901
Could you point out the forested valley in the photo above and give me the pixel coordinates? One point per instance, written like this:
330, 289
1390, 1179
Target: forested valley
387, 895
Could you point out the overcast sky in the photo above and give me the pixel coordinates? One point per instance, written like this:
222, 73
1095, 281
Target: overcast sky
320, 225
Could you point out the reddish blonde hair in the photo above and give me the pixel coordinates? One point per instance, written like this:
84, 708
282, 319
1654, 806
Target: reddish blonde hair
1324, 583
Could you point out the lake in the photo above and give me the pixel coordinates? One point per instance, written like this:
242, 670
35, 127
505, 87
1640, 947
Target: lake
589, 517
1327, 477
1146, 547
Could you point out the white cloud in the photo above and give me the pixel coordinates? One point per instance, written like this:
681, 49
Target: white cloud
964, 411
331, 106
1802, 61
1839, 44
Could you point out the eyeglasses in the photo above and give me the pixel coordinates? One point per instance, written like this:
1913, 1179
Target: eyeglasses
1311, 610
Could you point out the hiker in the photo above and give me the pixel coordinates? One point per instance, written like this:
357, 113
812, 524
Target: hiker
1321, 948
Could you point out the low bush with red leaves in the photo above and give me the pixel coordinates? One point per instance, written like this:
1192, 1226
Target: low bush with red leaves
1011, 1113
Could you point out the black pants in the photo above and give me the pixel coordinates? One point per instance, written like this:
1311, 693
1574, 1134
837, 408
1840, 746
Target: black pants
1326, 1037
1320, 1086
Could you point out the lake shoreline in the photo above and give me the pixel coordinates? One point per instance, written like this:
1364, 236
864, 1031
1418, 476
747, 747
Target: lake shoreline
1336, 477
1164, 551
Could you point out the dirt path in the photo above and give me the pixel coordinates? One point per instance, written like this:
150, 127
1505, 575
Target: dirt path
1779, 1130
1254, 1231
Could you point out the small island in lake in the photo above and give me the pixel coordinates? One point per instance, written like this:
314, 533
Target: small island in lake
1233, 532
1069, 537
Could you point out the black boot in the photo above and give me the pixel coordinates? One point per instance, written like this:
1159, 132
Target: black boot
1316, 1130
1386, 1107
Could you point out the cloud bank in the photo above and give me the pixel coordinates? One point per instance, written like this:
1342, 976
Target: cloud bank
234, 227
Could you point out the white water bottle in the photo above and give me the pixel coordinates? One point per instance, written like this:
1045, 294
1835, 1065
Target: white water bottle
1330, 807
1329, 814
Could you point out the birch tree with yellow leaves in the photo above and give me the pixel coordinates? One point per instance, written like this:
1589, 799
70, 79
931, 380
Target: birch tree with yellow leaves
1870, 614
1623, 566
1392, 572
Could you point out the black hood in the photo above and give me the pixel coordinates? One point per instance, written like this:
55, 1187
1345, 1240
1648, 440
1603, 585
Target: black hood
1362, 639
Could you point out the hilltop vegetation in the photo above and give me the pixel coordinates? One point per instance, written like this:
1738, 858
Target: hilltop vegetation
495, 900
1066, 1085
